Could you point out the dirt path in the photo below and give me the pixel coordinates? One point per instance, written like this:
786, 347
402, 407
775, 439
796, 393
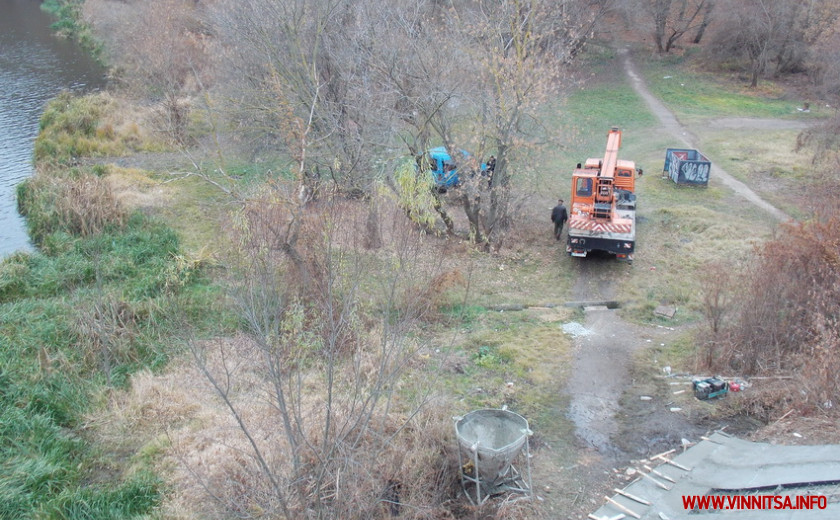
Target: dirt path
673, 126
612, 415
604, 357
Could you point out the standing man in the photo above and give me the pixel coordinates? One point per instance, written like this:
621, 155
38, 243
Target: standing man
559, 217
490, 170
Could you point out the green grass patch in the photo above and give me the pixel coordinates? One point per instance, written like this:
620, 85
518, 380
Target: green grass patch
78, 317
690, 93
196, 210
464, 314
766, 160
512, 359
70, 24
597, 108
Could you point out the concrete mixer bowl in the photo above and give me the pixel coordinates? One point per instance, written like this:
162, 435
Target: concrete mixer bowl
489, 441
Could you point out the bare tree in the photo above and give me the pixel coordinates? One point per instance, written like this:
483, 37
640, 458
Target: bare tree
517, 54
469, 75
808, 21
717, 295
329, 364
774, 36
672, 19
316, 60
823, 62
163, 49
704, 24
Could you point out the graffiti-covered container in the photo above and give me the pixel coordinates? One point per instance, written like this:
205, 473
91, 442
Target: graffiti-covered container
687, 166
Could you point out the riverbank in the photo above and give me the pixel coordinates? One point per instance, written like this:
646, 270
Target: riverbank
36, 66
108, 292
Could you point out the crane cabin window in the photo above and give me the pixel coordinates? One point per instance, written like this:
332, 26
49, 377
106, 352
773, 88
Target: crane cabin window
583, 187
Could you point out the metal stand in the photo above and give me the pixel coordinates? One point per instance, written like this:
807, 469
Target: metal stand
477, 487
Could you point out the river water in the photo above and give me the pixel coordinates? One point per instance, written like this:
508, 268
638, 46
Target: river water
35, 66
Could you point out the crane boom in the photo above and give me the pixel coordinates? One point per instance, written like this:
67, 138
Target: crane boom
611, 154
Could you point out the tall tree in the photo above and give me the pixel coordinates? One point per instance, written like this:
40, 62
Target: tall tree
518, 53
672, 19
771, 35
164, 51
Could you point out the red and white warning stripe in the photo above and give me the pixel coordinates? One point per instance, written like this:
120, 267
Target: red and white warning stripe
599, 227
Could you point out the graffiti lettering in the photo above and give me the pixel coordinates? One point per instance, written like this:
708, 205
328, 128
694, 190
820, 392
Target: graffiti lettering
696, 173
693, 172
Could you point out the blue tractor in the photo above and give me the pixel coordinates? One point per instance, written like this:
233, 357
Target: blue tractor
445, 169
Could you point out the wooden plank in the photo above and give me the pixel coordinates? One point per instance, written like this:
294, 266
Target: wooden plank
633, 497
675, 464
785, 415
625, 509
660, 484
658, 474
664, 453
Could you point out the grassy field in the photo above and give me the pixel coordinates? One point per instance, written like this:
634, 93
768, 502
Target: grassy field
98, 304
680, 229
762, 155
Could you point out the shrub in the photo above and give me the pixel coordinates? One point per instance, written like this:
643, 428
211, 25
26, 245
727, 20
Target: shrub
786, 312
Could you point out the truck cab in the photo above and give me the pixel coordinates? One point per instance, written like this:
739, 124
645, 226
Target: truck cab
446, 169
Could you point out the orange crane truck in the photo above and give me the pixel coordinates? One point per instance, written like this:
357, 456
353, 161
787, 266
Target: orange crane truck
603, 208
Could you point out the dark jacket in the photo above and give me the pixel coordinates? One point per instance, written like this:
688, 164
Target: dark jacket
559, 214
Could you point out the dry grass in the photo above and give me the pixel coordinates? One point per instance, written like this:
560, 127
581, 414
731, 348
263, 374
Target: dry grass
210, 463
83, 205
784, 319
134, 189
769, 162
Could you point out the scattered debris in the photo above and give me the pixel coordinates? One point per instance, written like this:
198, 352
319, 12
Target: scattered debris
675, 409
678, 392
645, 397
709, 388
665, 311
576, 330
